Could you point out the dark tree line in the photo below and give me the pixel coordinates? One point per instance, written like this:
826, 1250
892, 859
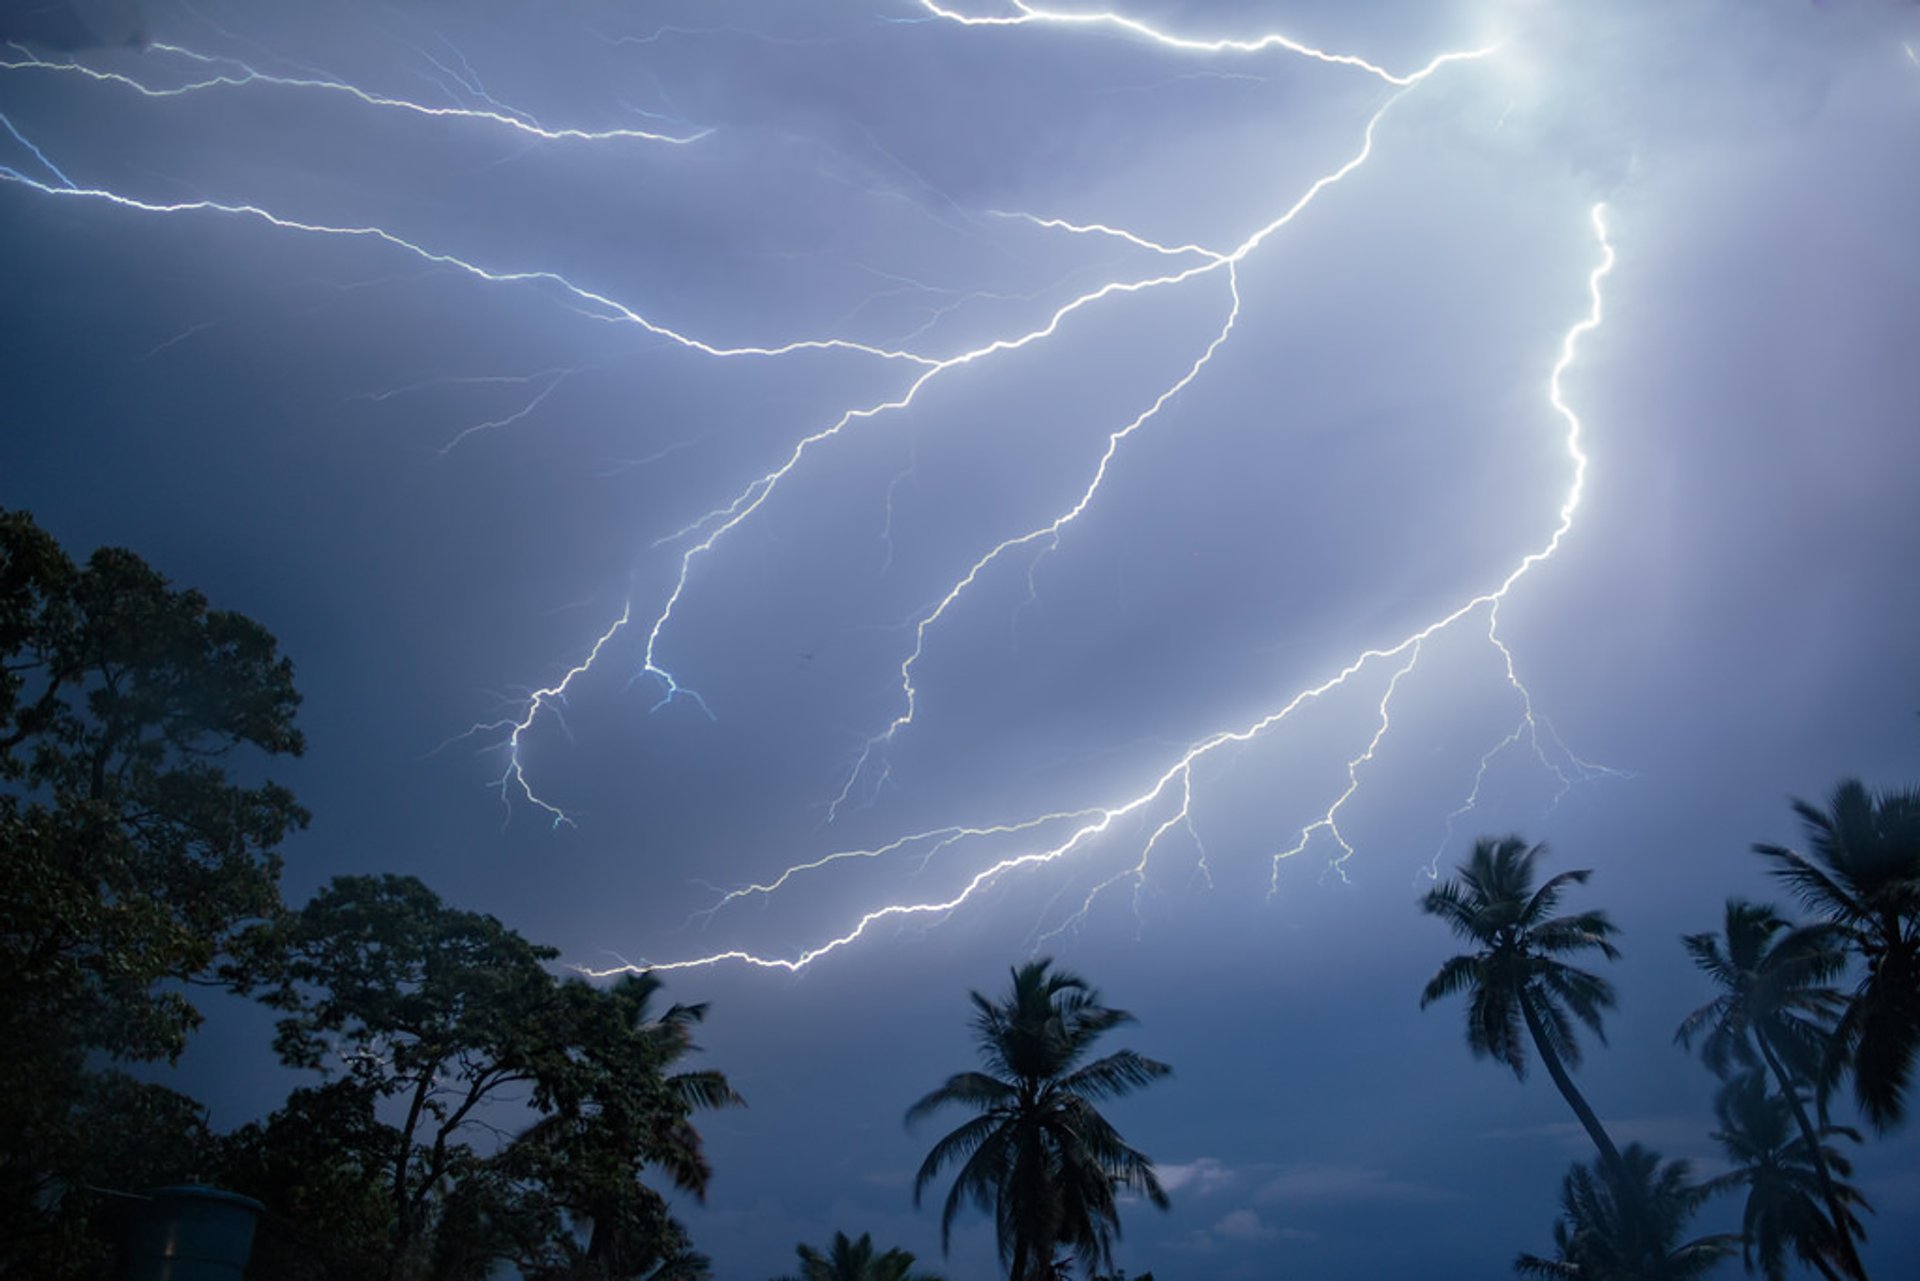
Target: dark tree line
470, 1109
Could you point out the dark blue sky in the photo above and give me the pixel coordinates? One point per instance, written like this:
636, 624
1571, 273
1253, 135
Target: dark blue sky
439, 489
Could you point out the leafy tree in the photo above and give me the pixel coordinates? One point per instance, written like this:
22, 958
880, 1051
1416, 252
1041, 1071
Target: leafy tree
319, 1165
1515, 979
848, 1260
132, 853
452, 1023
1624, 1222
1862, 872
1040, 1156
1788, 1182
433, 1008
1774, 1008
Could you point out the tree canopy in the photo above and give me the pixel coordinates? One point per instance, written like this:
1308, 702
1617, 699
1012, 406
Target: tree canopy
139, 838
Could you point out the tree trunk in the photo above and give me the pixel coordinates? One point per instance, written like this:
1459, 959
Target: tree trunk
1595, 1131
1849, 1259
1610, 1154
1019, 1272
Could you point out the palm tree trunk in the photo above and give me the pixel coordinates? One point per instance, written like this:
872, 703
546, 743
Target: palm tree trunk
1020, 1251
1849, 1259
1595, 1131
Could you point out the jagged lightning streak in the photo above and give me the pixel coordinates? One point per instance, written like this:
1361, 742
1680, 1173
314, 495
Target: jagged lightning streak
707, 531
1082, 827
1047, 535
1085, 827
38, 154
508, 118
699, 538
1035, 15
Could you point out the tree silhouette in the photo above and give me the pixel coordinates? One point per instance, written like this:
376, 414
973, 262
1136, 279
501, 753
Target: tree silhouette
1774, 1008
1862, 872
1624, 1223
137, 839
1514, 980
847, 1260
1040, 1156
1787, 1181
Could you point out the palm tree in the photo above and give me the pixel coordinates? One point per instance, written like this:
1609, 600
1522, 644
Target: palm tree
1783, 1175
1040, 1156
1775, 1009
615, 1105
1514, 980
1863, 874
855, 1261
1626, 1226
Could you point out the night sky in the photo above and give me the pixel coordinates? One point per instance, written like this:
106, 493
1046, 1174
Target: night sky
443, 337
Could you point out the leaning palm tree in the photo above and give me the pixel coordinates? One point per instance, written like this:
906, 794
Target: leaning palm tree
1626, 1226
1774, 1008
1040, 1156
1862, 872
848, 1260
1788, 1182
1515, 979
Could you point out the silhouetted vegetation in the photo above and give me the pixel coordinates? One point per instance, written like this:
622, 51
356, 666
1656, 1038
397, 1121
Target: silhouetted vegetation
1861, 873
1779, 1034
475, 1112
132, 858
1790, 1184
1039, 1156
846, 1260
1622, 1220
1515, 980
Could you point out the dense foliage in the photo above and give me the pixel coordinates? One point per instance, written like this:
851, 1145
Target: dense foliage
136, 845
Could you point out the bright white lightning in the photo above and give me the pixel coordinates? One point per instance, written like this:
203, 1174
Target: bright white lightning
1329, 822
1047, 536
1037, 15
706, 531
1069, 832
518, 121
1085, 827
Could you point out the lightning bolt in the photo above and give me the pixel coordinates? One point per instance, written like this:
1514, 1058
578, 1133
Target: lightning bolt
1083, 828
242, 76
1151, 814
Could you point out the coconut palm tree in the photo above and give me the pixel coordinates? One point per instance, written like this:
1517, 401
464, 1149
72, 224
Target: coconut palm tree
615, 1105
848, 1260
1626, 1226
1515, 979
1862, 872
1039, 1155
1774, 1008
1786, 1190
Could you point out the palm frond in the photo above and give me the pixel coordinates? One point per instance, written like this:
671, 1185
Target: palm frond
969, 1089
1456, 975
959, 1144
1115, 1075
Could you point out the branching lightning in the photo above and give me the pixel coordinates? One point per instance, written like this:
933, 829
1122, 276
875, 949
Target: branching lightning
1147, 818
1085, 827
243, 76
